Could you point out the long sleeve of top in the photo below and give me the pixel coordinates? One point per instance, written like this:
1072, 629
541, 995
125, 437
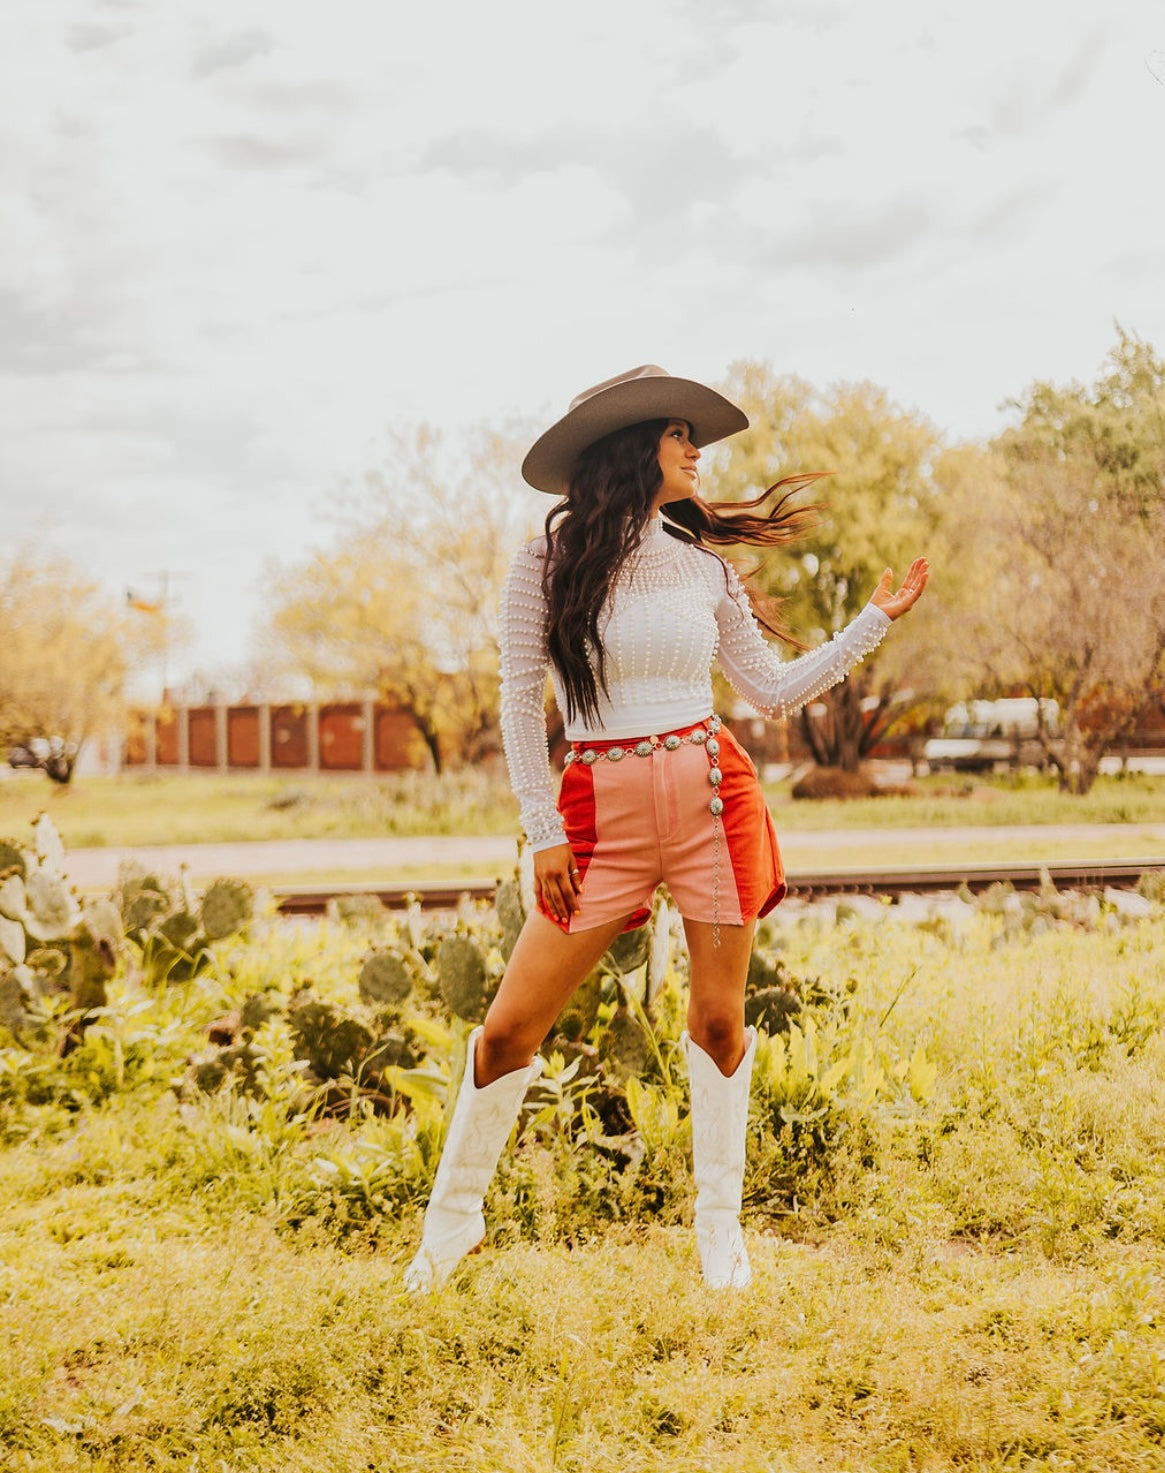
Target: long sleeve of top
675, 610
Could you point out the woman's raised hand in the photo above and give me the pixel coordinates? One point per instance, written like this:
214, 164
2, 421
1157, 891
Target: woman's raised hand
557, 881
896, 604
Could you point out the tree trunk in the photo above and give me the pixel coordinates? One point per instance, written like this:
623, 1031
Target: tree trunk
431, 739
1078, 761
1077, 776
1095, 720
838, 739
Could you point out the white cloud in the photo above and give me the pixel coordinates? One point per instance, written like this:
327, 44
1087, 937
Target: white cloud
234, 244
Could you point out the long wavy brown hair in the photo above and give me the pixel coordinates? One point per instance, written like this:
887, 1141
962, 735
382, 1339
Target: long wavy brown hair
595, 528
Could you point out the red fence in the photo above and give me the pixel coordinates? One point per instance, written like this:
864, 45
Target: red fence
341, 736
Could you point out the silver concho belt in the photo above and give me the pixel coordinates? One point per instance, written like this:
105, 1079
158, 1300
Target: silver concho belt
703, 736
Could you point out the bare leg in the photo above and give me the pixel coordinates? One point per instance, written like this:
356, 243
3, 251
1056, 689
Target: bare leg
716, 994
544, 970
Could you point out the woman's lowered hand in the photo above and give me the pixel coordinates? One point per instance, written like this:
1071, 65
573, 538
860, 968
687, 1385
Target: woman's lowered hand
557, 881
896, 604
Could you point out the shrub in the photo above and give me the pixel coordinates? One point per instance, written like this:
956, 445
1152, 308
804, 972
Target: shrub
834, 782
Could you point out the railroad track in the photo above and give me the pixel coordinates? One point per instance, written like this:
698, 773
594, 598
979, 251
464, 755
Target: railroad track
1090, 874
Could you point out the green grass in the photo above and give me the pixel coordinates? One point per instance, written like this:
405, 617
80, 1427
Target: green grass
944, 801
970, 1280
141, 809
198, 808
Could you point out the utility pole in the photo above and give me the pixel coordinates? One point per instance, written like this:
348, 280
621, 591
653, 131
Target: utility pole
159, 608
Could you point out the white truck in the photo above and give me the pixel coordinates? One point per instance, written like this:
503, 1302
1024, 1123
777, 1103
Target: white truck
983, 736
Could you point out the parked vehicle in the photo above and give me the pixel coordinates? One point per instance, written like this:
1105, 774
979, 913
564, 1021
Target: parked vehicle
53, 755
980, 736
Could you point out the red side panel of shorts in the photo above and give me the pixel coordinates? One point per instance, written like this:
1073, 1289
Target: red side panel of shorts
749, 833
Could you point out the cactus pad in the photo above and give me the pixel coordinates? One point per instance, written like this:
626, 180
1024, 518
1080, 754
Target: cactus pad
772, 1009
227, 908
173, 950
93, 954
51, 911
331, 1041
630, 950
13, 943
511, 915
578, 1017
624, 1047
141, 898
764, 971
257, 1009
385, 977
12, 898
461, 975
357, 910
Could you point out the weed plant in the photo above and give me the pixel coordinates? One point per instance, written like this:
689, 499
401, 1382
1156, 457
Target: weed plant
955, 1204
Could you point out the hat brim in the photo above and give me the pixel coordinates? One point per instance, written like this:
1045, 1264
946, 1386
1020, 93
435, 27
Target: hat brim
548, 465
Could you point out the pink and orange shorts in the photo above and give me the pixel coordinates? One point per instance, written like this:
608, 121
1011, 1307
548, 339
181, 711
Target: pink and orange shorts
642, 820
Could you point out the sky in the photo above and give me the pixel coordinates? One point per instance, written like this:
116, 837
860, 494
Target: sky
241, 241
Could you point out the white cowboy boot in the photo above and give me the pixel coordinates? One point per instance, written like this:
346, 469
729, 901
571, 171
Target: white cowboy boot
719, 1126
481, 1125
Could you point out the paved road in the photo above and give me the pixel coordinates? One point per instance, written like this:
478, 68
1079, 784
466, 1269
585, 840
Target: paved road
93, 869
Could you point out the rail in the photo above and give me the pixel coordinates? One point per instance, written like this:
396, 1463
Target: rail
1089, 874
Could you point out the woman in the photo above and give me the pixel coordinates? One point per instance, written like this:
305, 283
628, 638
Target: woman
627, 610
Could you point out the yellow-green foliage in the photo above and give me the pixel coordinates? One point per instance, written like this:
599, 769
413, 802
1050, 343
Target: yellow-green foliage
955, 1206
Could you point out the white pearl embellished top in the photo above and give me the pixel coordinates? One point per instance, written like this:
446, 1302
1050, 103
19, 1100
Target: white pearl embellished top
674, 610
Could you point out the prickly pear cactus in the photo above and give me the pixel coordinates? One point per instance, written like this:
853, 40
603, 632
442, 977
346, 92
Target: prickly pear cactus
173, 949
332, 1041
227, 908
630, 950
50, 851
461, 976
511, 914
356, 910
17, 1000
385, 977
256, 1010
11, 856
578, 1017
93, 955
13, 943
13, 902
394, 1046
141, 897
624, 1046
764, 971
772, 1009
51, 911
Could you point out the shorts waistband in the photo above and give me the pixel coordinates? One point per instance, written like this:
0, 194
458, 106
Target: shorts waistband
698, 734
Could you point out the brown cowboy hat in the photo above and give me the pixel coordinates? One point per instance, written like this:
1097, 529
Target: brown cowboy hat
629, 398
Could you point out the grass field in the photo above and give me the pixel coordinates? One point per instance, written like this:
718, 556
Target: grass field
968, 1274
140, 809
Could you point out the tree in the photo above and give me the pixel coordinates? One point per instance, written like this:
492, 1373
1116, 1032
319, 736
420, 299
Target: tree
403, 603
62, 661
879, 509
1065, 518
